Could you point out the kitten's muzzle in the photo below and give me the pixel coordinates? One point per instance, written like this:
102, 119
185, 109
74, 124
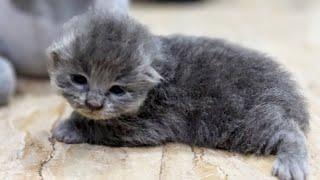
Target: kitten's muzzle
93, 105
94, 102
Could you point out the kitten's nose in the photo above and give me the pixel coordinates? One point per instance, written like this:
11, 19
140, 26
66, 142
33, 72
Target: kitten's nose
94, 105
94, 100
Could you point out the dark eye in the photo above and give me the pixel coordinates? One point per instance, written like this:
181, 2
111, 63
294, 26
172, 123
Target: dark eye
79, 79
117, 90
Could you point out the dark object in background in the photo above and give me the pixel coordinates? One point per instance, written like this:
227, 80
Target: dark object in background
7, 81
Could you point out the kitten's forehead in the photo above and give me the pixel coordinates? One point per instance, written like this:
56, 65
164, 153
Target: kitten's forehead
109, 58
107, 38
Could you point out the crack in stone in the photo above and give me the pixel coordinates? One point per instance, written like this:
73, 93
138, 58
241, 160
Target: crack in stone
51, 154
162, 162
61, 111
198, 158
125, 152
194, 156
223, 172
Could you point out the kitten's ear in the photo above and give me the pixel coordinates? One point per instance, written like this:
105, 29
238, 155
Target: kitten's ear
54, 57
151, 75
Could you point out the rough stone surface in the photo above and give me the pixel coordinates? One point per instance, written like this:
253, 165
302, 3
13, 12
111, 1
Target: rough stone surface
288, 30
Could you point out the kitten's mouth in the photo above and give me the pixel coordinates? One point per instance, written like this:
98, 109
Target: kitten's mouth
94, 114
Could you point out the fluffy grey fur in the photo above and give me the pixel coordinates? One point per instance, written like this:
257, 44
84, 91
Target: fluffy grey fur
132, 88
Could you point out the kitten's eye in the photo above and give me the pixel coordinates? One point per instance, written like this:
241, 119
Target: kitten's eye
79, 79
117, 90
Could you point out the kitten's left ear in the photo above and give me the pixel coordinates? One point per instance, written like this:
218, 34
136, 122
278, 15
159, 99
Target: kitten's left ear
151, 75
53, 57
62, 49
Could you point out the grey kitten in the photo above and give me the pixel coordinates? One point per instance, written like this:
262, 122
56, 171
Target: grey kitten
132, 88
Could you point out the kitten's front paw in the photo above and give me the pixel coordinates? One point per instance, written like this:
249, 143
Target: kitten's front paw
290, 168
65, 131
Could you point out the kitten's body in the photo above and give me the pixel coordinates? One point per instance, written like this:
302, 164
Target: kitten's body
198, 91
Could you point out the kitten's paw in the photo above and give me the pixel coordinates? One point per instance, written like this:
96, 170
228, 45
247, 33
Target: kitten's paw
291, 168
65, 132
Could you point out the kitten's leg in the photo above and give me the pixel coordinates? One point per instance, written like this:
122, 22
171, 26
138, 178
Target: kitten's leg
120, 132
268, 130
292, 158
67, 131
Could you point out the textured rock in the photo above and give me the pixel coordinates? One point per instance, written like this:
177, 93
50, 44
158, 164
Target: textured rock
287, 31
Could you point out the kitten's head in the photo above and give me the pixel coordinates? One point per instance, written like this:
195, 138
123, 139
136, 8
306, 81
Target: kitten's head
102, 64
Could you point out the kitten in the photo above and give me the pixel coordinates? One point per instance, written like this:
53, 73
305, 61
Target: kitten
129, 87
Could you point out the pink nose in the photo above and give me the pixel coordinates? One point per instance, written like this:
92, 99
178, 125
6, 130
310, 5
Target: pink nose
94, 105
